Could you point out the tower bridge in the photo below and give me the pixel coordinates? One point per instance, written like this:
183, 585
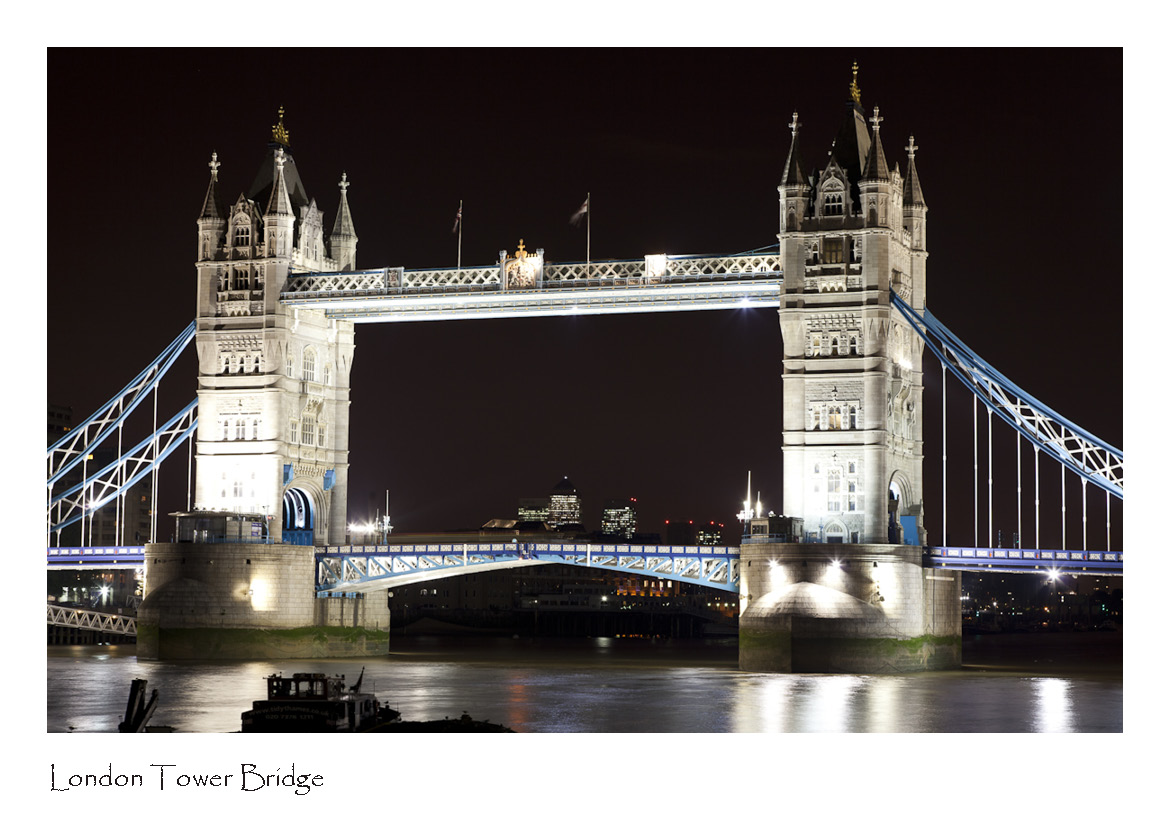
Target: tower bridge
858, 587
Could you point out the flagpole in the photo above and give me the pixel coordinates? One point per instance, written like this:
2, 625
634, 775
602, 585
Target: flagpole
460, 259
588, 235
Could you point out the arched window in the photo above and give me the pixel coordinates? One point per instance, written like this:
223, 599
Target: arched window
816, 345
308, 365
243, 235
835, 346
240, 429
255, 429
834, 490
852, 346
308, 430
226, 430
834, 423
834, 203
816, 425
327, 374
321, 434
852, 417
289, 367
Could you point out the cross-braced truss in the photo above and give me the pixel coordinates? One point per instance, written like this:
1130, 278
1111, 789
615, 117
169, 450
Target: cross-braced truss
1079, 451
120, 475
97, 621
1026, 561
576, 288
79, 442
345, 569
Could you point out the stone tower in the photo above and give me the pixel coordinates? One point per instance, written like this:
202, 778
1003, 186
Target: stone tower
273, 435
852, 431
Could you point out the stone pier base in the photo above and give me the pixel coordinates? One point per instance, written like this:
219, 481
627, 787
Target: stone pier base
239, 601
818, 607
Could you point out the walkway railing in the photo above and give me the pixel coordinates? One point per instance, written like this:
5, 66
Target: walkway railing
97, 621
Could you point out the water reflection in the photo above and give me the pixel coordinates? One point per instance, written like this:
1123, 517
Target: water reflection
603, 685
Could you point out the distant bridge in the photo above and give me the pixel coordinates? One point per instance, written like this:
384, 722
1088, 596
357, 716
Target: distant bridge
76, 618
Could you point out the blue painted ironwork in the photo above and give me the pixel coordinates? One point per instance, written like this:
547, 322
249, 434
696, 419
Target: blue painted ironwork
1082, 453
104, 557
124, 472
1025, 561
79, 442
365, 568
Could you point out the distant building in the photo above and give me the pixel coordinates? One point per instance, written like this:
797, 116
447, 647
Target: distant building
532, 509
563, 505
710, 534
619, 518
680, 533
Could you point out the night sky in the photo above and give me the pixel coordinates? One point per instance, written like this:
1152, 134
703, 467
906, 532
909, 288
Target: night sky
1020, 156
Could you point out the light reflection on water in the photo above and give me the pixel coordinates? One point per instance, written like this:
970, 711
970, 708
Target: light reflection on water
599, 685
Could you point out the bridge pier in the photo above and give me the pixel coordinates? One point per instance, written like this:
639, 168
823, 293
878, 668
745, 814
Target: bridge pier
239, 601
846, 608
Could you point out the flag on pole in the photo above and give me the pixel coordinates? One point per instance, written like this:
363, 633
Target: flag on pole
579, 214
458, 219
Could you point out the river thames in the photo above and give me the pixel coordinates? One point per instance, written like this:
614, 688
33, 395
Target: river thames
1008, 684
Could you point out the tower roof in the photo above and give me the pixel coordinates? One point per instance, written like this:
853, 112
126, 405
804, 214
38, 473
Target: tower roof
343, 225
793, 170
278, 202
912, 194
212, 205
851, 147
565, 486
261, 189
875, 167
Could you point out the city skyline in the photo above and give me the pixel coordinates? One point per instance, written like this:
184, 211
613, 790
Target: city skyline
455, 419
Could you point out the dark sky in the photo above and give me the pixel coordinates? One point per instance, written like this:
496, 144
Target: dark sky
1020, 163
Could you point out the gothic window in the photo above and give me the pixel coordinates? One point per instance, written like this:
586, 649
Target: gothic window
226, 430
307, 430
852, 417
816, 345
835, 346
293, 432
816, 425
231, 364
321, 434
834, 490
834, 203
852, 495
237, 489
852, 468
243, 235
255, 429
289, 366
834, 423
308, 365
852, 346
327, 372
833, 250
226, 363
240, 429
255, 363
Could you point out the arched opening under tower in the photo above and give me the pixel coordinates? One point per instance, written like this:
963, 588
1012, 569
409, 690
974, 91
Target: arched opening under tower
297, 524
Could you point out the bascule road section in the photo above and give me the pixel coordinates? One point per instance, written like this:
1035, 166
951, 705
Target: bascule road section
522, 284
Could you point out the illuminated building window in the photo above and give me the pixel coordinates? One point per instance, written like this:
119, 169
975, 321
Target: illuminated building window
833, 250
834, 490
816, 423
308, 365
852, 495
816, 345
834, 419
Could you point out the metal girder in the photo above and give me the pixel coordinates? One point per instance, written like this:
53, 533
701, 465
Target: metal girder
97, 621
120, 475
1026, 561
100, 557
79, 442
655, 283
1082, 453
343, 569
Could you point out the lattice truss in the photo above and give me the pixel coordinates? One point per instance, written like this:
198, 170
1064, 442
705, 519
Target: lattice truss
123, 473
364, 568
97, 621
1084, 454
650, 270
67, 452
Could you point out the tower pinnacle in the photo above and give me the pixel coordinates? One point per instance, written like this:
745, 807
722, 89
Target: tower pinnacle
279, 132
854, 91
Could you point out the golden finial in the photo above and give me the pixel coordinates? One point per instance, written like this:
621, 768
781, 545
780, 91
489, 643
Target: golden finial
853, 89
521, 254
279, 133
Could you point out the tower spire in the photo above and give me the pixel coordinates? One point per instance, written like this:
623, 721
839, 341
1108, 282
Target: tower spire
793, 170
875, 167
913, 194
278, 202
343, 240
211, 206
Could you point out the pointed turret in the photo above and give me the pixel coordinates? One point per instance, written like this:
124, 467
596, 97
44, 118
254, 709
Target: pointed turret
876, 169
343, 240
913, 203
851, 147
278, 202
794, 188
213, 218
913, 194
278, 218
